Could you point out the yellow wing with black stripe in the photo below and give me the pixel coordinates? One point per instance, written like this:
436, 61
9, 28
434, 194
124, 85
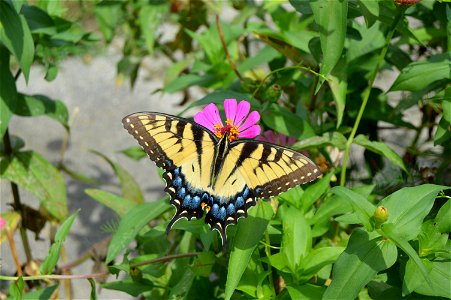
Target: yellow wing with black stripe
204, 173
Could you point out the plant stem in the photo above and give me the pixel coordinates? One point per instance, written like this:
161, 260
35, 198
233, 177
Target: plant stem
12, 245
268, 254
101, 274
224, 45
17, 203
366, 95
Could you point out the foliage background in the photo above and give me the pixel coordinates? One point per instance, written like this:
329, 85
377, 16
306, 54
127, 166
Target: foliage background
205, 65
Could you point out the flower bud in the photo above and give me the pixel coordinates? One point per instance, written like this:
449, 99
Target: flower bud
380, 215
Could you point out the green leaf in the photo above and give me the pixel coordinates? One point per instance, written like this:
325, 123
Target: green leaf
132, 223
16, 288
185, 81
129, 186
382, 149
431, 240
120, 205
315, 191
317, 259
128, 286
282, 120
329, 138
38, 20
390, 232
50, 261
339, 88
31, 171
8, 91
296, 236
43, 293
365, 256
248, 234
372, 39
443, 218
135, 153
363, 208
331, 18
263, 56
37, 105
108, 15
411, 78
306, 291
149, 17
409, 206
16, 36
443, 132
440, 275
203, 264
93, 295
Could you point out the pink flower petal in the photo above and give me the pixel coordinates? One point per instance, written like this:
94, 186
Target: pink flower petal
200, 119
282, 140
291, 140
211, 112
230, 109
2, 223
241, 112
250, 132
253, 118
270, 136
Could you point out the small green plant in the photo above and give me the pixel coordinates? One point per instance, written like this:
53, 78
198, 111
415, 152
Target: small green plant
376, 226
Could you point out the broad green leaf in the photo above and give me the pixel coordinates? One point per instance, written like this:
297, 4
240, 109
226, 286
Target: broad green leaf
331, 18
16, 288
8, 91
263, 56
31, 171
319, 258
128, 286
183, 285
306, 291
129, 186
51, 259
132, 223
443, 132
149, 17
443, 218
409, 206
108, 15
13, 220
296, 238
43, 293
339, 88
38, 20
135, 153
371, 40
431, 240
185, 81
329, 138
440, 275
380, 148
248, 234
315, 191
120, 205
390, 232
286, 122
37, 105
365, 256
203, 264
16, 36
412, 77
363, 208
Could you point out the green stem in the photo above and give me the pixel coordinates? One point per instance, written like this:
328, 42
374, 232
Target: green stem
366, 96
268, 254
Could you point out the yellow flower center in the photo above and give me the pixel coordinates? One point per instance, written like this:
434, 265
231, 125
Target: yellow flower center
231, 129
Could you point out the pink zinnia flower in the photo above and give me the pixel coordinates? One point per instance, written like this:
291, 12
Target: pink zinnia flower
236, 113
277, 138
2, 223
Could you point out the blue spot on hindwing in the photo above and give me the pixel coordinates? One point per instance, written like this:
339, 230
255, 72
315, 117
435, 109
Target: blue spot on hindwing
177, 182
187, 201
245, 192
196, 201
177, 172
239, 201
231, 209
181, 193
222, 213
215, 211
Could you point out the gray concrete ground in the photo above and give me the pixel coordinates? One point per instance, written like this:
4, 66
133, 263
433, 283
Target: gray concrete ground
89, 88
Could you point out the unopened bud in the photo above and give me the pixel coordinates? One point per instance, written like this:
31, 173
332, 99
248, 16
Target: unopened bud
380, 215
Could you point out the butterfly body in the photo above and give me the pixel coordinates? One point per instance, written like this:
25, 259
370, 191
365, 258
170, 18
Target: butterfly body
215, 176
